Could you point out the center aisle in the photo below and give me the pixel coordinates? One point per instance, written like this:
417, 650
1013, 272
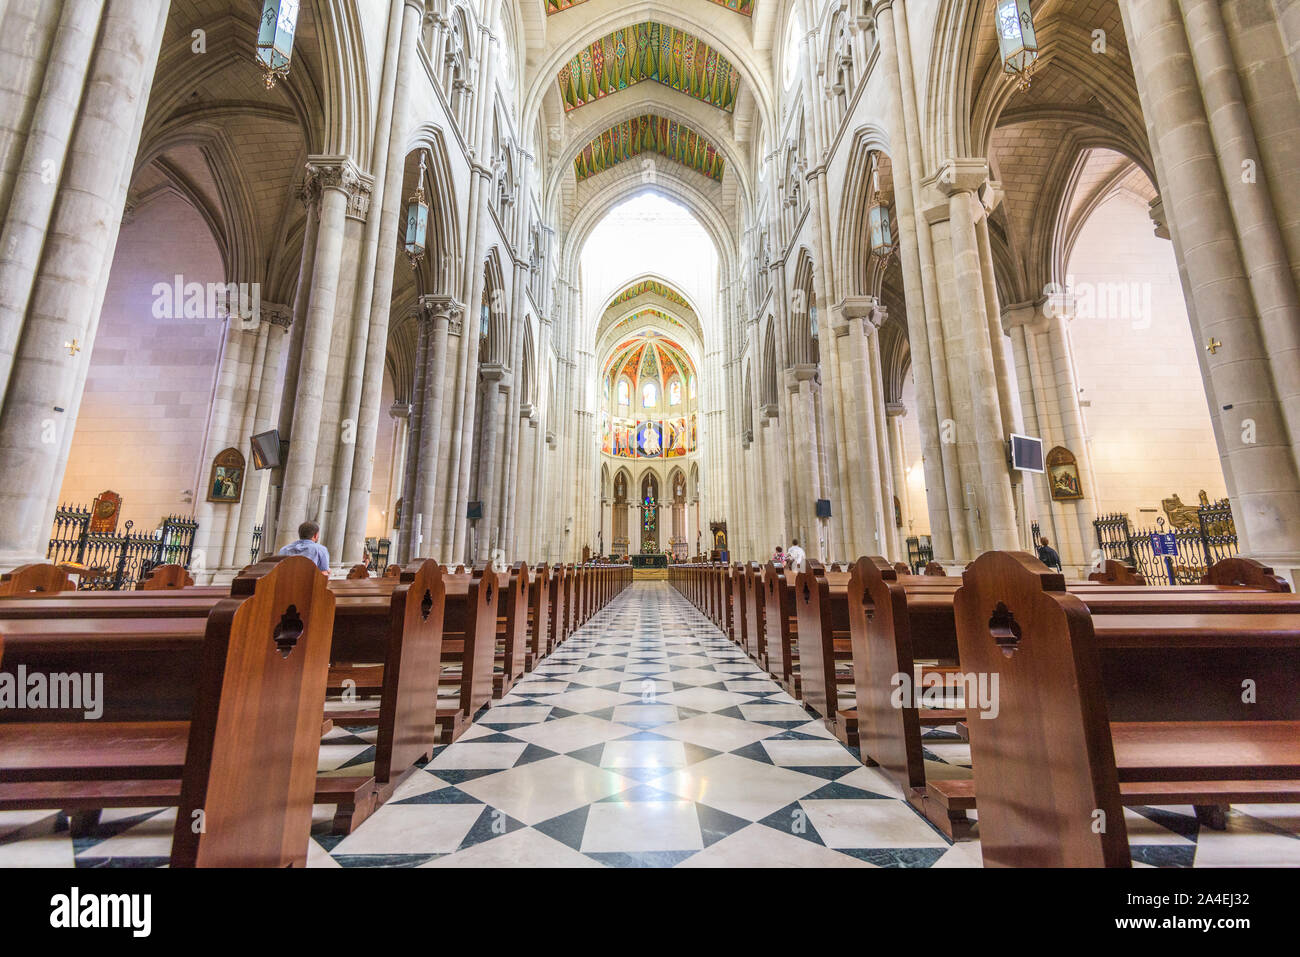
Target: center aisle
647, 740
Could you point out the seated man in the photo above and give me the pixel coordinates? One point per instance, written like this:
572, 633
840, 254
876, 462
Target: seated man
308, 544
1047, 554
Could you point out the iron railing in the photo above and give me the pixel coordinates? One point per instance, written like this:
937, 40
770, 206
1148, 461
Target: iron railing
1213, 537
117, 560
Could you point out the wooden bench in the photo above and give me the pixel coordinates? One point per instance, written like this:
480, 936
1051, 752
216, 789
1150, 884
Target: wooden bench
539, 619
823, 637
1098, 711
218, 716
780, 626
35, 579
899, 622
165, 578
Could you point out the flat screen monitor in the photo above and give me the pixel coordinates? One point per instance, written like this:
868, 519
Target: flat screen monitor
1026, 453
266, 450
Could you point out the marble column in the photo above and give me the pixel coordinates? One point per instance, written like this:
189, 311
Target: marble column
898, 462
47, 377
415, 502
496, 385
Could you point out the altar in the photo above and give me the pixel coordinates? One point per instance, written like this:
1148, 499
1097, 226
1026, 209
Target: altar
649, 561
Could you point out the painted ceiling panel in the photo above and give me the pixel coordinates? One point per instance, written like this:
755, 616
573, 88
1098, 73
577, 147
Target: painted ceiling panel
650, 286
745, 7
649, 51
649, 133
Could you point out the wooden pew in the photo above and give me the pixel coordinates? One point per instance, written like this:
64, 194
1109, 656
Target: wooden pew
1117, 573
512, 629
559, 618
35, 579
898, 621
374, 634
1086, 723
165, 577
780, 627
218, 716
539, 616
468, 649
825, 649
358, 572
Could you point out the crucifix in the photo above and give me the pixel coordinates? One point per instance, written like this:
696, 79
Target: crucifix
73, 347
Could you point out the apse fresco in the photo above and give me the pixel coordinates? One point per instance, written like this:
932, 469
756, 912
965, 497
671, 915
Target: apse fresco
650, 133
650, 438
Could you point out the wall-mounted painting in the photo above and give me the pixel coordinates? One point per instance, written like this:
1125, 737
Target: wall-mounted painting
1063, 475
650, 440
226, 483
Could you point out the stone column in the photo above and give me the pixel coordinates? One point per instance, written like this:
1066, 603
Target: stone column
443, 312
1237, 294
799, 382
357, 461
46, 382
338, 180
887, 543
979, 429
898, 461
27, 218
415, 502
400, 413
496, 383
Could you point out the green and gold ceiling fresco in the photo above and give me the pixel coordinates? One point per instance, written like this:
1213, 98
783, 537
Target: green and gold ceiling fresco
648, 287
745, 7
650, 134
649, 355
649, 51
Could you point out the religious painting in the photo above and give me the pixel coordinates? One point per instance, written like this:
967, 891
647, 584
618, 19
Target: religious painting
397, 513
104, 513
624, 441
226, 483
694, 444
675, 438
1063, 475
606, 436
898, 513
650, 440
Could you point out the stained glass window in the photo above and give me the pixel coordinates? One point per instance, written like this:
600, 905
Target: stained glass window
650, 395
675, 393
624, 392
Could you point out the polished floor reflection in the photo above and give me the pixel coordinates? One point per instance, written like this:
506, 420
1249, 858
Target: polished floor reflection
646, 740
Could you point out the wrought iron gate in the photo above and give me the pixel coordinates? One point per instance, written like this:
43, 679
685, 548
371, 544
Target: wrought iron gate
117, 560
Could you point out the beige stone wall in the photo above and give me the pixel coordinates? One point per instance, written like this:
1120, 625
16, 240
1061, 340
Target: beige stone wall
915, 508
380, 519
149, 388
1146, 413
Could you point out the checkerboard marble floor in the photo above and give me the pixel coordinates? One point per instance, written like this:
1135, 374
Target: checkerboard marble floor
647, 740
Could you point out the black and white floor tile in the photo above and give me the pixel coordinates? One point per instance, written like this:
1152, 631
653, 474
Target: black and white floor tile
647, 740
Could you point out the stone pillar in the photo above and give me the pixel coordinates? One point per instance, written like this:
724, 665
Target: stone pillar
443, 312
898, 462
799, 382
357, 461
415, 501
47, 378
979, 426
496, 382
27, 218
400, 413
1240, 295
887, 543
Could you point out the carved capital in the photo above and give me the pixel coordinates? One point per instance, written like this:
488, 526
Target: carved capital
895, 410
960, 175
277, 314
340, 173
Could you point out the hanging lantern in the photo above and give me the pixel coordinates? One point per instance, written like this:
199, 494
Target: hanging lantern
882, 230
275, 39
417, 222
1017, 39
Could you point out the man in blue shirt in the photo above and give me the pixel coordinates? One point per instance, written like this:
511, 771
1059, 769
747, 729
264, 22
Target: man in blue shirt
308, 544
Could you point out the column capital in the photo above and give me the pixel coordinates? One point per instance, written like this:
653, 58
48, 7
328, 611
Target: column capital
1027, 314
277, 314
527, 410
798, 374
341, 173
1156, 209
399, 410
494, 372
895, 410
960, 175
439, 308
769, 411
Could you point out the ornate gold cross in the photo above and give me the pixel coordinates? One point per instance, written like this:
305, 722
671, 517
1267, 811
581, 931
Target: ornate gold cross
73, 347
1214, 346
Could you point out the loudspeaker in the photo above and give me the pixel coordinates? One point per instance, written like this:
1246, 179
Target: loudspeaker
823, 508
475, 510
269, 452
